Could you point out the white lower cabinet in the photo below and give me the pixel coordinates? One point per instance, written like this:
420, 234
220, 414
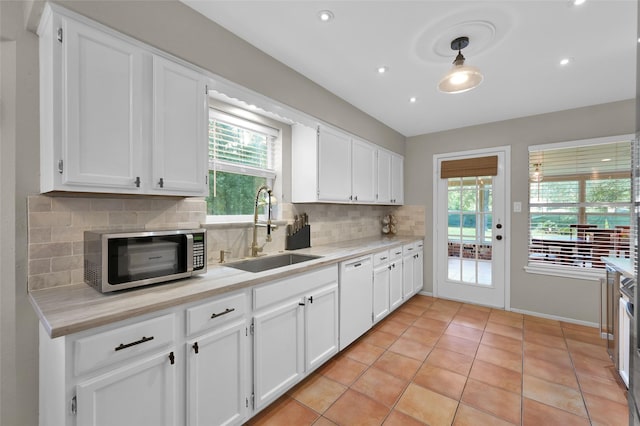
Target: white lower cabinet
142, 393
295, 327
219, 361
412, 268
217, 391
395, 278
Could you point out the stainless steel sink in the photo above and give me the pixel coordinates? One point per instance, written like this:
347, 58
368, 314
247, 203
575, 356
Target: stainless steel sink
271, 262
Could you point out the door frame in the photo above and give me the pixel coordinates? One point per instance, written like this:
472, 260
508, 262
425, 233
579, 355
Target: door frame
504, 168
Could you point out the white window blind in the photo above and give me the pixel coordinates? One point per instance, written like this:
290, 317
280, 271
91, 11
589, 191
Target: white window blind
579, 203
241, 146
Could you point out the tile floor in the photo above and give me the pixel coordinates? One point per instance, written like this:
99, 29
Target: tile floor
438, 362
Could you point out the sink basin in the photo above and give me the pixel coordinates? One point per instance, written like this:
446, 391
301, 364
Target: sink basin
271, 262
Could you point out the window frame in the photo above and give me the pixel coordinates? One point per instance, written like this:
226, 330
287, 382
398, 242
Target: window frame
221, 166
570, 271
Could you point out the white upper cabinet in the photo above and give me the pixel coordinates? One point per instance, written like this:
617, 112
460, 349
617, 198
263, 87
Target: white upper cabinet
114, 117
383, 184
363, 172
179, 116
331, 166
397, 179
334, 166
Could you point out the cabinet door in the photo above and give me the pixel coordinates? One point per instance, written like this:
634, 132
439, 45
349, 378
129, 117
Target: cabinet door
334, 166
383, 182
142, 393
381, 292
397, 179
101, 134
395, 284
363, 173
278, 351
217, 376
407, 275
179, 164
321, 326
418, 272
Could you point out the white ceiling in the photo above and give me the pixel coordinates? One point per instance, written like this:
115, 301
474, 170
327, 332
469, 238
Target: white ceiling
517, 44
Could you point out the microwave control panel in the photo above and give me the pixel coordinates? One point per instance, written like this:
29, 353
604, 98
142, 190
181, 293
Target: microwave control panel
198, 251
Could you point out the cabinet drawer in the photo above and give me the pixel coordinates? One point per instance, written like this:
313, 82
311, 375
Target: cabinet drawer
381, 258
408, 249
123, 343
216, 312
278, 291
395, 253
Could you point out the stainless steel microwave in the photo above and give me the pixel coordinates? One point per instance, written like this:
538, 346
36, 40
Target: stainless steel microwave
120, 260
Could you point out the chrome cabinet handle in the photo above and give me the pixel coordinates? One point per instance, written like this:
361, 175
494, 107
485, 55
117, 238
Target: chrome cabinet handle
137, 342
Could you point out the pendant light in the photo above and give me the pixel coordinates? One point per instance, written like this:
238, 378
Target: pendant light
460, 77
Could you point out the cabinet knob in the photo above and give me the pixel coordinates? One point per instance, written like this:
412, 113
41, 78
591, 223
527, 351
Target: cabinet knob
137, 182
161, 183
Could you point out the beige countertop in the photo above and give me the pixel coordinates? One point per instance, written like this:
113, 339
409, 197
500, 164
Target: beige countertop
71, 309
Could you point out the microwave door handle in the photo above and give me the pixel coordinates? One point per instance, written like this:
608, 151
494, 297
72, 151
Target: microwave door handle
189, 252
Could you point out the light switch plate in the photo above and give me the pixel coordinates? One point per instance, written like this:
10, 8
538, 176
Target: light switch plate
517, 206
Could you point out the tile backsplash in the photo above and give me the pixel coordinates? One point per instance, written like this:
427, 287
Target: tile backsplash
57, 224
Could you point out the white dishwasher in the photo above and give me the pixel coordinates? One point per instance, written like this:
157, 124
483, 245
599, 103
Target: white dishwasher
356, 299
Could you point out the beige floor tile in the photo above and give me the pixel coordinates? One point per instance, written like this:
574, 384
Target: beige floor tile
379, 338
547, 321
423, 335
556, 342
412, 309
603, 411
504, 330
343, 370
614, 390
470, 333
354, 408
392, 327
550, 372
497, 376
502, 342
487, 398
587, 335
457, 344
543, 328
499, 357
323, 421
318, 392
427, 406
469, 416
403, 317
511, 319
380, 386
537, 414
439, 315
452, 361
439, 380
594, 366
411, 348
397, 418
588, 349
398, 365
470, 322
555, 395
364, 352
285, 410
556, 356
433, 325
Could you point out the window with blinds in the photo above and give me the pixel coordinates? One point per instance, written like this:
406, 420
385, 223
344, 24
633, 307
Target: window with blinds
579, 203
241, 159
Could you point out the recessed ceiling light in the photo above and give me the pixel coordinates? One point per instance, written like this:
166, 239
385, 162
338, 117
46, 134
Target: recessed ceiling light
413, 99
325, 15
605, 160
565, 61
382, 70
578, 2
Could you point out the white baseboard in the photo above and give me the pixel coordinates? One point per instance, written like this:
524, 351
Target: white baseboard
556, 317
425, 293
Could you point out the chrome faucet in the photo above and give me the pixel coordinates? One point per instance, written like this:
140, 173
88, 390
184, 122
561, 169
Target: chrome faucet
255, 249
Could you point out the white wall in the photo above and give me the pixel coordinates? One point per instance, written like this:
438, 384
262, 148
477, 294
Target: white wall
568, 298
